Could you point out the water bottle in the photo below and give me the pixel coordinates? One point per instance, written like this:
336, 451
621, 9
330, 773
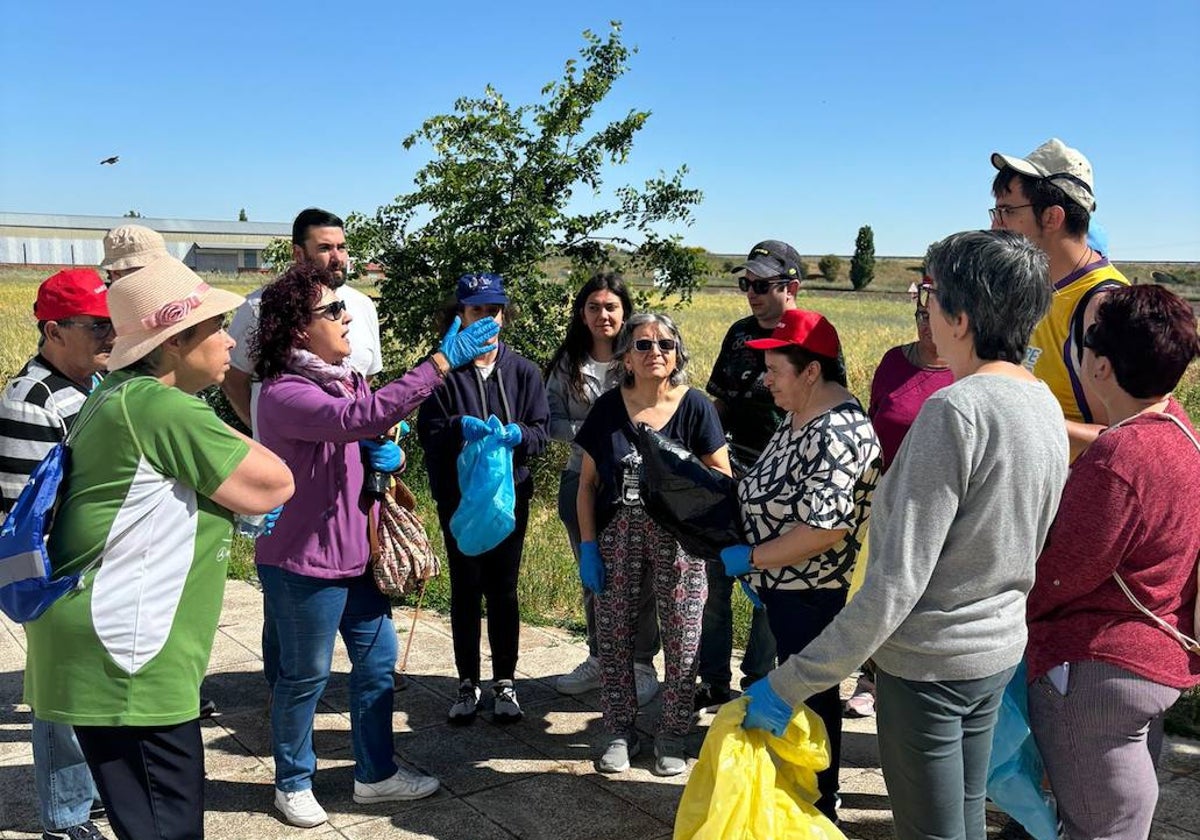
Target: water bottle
250, 525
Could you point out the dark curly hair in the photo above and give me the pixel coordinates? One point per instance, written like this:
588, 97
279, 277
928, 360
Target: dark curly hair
284, 312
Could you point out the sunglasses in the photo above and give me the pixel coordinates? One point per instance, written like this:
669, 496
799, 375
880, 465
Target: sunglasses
331, 311
98, 329
645, 345
760, 287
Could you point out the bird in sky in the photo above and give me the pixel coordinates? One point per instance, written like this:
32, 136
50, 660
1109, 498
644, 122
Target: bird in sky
112, 159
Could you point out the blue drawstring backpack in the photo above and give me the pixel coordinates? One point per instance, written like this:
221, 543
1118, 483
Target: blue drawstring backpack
487, 512
26, 587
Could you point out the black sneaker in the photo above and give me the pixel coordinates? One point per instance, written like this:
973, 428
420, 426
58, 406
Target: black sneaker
208, 707
85, 831
98, 812
708, 696
506, 709
467, 705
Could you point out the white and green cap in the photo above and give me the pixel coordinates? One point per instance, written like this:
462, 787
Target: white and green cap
1057, 162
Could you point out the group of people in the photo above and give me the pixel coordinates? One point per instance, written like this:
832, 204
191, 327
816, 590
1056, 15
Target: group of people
1018, 466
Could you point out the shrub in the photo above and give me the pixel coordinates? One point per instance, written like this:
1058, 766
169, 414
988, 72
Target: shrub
830, 267
862, 264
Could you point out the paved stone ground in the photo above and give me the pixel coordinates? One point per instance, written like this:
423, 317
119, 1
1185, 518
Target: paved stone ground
532, 780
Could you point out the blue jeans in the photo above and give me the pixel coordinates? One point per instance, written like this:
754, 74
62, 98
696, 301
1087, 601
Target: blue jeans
64, 783
308, 614
716, 635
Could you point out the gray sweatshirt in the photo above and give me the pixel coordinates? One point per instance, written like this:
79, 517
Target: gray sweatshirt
958, 522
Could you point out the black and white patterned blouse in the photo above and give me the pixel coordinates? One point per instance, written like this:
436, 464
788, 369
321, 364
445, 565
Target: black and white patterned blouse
822, 475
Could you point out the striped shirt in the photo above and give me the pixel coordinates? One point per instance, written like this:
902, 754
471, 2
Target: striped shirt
37, 406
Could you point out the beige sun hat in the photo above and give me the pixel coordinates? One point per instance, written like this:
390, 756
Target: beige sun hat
132, 246
1058, 163
156, 302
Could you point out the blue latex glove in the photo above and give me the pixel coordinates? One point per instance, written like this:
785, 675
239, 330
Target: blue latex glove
460, 346
404, 428
755, 601
474, 429
766, 710
382, 455
269, 521
511, 435
737, 560
591, 567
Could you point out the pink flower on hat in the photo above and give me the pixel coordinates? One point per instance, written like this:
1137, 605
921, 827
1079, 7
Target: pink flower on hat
176, 310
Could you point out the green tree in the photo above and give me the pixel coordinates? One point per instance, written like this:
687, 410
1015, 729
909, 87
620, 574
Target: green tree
830, 267
497, 197
862, 264
133, 214
242, 217
277, 256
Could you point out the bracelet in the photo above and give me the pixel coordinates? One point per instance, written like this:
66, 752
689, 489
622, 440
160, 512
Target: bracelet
441, 371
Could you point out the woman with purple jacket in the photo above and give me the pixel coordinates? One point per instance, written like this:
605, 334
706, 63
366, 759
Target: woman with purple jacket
315, 412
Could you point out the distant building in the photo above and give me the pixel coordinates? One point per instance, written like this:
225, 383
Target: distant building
50, 240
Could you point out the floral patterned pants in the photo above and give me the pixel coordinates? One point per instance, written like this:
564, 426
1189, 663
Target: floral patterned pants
637, 553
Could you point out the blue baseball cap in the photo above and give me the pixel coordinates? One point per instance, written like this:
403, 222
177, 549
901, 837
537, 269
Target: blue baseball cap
1097, 237
481, 289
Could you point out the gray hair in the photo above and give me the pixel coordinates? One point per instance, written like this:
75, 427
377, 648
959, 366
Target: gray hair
1000, 280
624, 345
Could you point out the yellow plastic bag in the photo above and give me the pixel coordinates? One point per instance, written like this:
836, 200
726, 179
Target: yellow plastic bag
750, 785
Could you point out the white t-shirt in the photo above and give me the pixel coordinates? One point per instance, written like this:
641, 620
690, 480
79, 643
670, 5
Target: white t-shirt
366, 353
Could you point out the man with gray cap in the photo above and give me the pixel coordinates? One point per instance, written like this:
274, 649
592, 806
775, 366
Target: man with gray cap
1048, 196
129, 247
749, 415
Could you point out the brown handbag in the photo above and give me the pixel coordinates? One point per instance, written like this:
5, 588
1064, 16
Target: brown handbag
401, 555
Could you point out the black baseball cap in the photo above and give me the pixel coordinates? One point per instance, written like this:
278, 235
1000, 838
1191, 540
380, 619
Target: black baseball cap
772, 258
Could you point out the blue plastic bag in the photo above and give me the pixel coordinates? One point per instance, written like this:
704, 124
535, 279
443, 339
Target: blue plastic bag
487, 512
1014, 780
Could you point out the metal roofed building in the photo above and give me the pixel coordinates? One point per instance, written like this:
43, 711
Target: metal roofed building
44, 239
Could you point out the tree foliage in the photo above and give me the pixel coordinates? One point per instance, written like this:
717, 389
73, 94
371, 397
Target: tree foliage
830, 267
862, 264
277, 256
497, 196
242, 217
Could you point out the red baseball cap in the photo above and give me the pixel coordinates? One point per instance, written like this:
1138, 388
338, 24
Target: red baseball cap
802, 328
75, 291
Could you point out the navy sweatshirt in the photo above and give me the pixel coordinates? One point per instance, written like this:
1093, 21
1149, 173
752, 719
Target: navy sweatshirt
439, 422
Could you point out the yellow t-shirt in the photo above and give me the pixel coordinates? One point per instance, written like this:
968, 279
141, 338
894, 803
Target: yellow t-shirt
1055, 347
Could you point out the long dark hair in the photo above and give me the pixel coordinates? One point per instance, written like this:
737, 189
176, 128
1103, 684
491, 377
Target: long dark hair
284, 312
578, 340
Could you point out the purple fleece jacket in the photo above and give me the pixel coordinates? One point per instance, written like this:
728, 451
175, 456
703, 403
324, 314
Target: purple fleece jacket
315, 429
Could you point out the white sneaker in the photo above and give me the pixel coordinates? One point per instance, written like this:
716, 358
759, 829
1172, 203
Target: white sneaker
645, 680
300, 807
585, 677
464, 708
506, 708
403, 786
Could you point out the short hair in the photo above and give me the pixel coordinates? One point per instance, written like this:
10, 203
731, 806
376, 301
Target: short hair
624, 344
1000, 280
310, 218
832, 370
1042, 194
1148, 335
285, 311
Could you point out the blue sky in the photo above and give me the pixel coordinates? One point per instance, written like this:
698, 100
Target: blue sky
799, 121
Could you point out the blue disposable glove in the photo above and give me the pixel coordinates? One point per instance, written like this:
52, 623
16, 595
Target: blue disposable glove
382, 455
460, 346
511, 435
404, 428
591, 567
737, 560
766, 710
270, 519
474, 429
755, 601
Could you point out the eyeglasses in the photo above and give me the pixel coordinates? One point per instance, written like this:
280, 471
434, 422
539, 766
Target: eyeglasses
645, 345
922, 314
331, 311
924, 292
760, 287
98, 329
1001, 212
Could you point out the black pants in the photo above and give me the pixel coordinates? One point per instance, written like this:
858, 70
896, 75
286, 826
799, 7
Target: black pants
150, 778
491, 575
797, 617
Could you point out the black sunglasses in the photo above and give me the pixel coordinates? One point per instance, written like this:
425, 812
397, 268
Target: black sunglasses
98, 329
760, 287
645, 345
332, 311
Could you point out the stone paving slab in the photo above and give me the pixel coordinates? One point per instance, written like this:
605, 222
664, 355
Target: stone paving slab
530, 780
